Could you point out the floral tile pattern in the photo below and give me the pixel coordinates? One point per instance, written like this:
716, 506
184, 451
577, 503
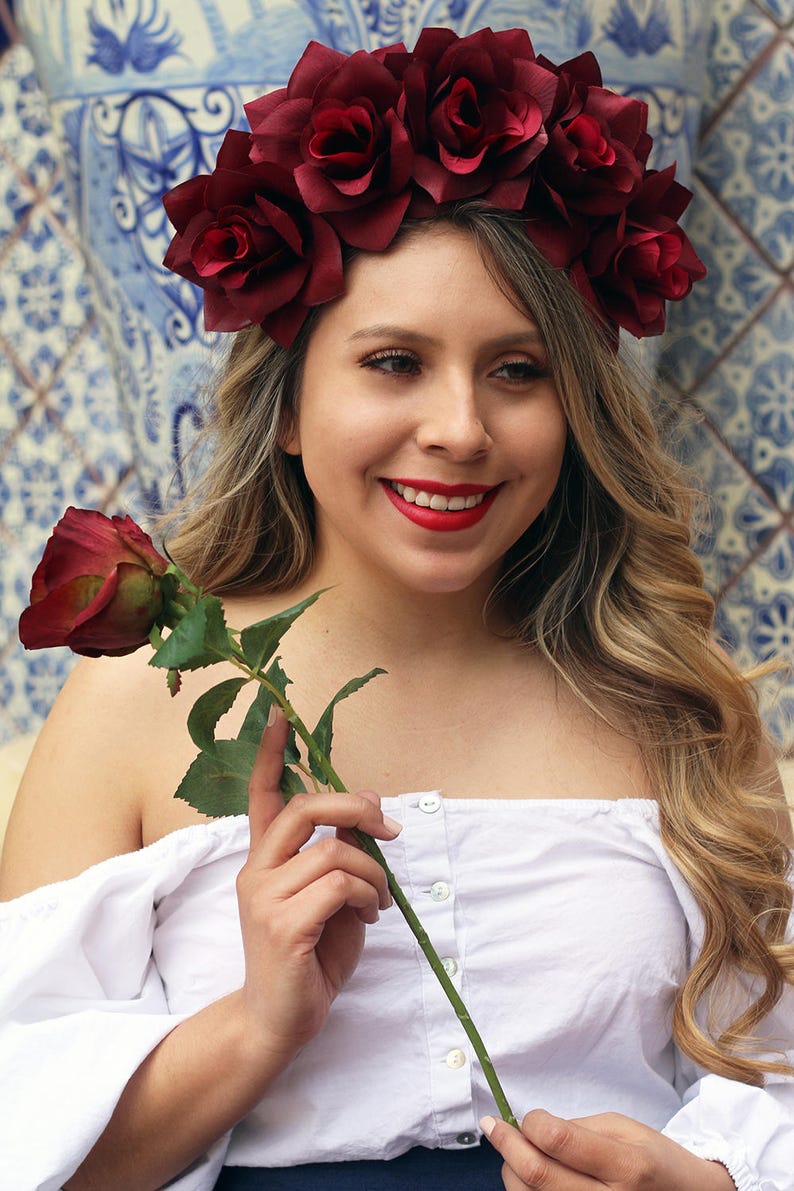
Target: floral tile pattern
748, 157
99, 391
749, 398
740, 31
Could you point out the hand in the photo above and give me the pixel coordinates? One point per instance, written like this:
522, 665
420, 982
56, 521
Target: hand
303, 913
608, 1152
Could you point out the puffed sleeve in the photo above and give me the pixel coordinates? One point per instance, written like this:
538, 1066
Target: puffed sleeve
749, 1129
81, 1006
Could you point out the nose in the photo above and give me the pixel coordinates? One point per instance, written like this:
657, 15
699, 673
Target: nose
451, 421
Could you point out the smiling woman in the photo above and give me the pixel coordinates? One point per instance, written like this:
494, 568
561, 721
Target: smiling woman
426, 256
441, 398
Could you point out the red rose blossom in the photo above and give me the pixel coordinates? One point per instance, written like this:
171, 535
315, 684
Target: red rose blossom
593, 164
475, 107
246, 238
98, 588
598, 143
641, 258
335, 126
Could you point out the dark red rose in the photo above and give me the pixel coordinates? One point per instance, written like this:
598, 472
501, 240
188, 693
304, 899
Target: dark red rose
99, 587
336, 128
598, 143
593, 163
245, 236
475, 108
641, 258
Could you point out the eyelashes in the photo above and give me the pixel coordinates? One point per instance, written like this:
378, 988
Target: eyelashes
398, 363
401, 363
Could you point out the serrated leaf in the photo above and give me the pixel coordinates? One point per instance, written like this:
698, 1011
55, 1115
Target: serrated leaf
291, 751
323, 733
174, 682
200, 639
217, 783
209, 708
261, 640
256, 716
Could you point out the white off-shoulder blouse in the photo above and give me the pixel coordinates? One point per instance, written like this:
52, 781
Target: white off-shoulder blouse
564, 924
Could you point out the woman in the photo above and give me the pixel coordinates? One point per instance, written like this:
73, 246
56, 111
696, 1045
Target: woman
427, 419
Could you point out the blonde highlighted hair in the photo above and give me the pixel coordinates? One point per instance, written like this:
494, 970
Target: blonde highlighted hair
605, 584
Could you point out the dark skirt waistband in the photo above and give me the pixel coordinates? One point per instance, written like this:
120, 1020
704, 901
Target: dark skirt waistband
420, 1169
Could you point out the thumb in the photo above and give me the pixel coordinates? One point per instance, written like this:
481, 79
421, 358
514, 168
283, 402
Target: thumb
265, 799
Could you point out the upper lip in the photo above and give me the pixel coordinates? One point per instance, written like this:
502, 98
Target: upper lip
436, 487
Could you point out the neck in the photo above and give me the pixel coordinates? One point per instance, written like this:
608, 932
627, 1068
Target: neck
399, 623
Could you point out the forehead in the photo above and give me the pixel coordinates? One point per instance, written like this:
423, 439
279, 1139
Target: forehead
431, 276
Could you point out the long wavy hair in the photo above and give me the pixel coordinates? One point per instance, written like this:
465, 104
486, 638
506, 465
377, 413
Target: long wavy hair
604, 583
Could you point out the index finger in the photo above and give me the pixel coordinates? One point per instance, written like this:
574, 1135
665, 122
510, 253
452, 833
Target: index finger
602, 1155
265, 799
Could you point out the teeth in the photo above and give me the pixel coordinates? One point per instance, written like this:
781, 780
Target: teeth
434, 500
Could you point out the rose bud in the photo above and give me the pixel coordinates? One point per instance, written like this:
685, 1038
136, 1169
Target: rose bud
98, 588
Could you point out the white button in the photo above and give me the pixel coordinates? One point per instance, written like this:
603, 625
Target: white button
466, 1139
449, 965
429, 803
456, 1059
439, 891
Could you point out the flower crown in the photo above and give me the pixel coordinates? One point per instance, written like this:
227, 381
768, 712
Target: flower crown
355, 144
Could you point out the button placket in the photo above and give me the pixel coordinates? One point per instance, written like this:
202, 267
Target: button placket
433, 886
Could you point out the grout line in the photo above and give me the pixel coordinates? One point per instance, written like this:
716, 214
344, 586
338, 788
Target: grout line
733, 342
744, 79
782, 271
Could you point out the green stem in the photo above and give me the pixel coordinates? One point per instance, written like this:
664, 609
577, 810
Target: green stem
370, 846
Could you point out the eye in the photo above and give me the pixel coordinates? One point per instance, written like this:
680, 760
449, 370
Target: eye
521, 371
394, 361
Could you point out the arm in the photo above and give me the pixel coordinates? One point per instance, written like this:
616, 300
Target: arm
303, 918
157, 1090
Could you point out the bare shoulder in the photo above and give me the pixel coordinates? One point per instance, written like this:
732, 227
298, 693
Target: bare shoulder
103, 751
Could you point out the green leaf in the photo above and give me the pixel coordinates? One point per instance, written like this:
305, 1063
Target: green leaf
291, 751
209, 708
256, 716
217, 783
174, 681
291, 783
323, 733
200, 639
261, 640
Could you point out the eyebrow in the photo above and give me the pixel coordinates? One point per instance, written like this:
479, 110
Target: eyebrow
393, 331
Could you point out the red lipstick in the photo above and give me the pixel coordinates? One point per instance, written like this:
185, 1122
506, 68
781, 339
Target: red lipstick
437, 519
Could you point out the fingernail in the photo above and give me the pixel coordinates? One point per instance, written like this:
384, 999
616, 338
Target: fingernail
392, 825
487, 1125
271, 715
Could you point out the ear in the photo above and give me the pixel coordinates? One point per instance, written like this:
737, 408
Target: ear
289, 437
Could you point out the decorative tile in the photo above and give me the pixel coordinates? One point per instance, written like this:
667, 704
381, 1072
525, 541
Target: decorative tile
45, 298
17, 399
39, 479
30, 682
748, 158
717, 310
739, 33
735, 518
750, 399
781, 10
756, 619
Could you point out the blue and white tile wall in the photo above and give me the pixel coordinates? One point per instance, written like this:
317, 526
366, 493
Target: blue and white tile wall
100, 348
